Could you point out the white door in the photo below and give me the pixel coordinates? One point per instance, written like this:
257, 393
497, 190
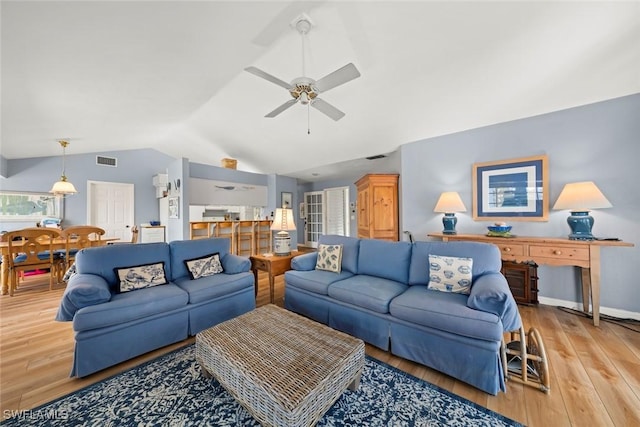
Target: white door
110, 206
313, 221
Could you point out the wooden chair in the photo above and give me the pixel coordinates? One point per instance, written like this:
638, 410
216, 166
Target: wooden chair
263, 237
245, 238
200, 230
134, 234
31, 249
227, 229
79, 237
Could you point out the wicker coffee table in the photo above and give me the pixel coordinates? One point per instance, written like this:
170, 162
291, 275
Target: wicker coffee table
286, 370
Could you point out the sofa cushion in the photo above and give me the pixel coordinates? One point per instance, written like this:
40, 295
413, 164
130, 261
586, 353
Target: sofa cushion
450, 274
446, 312
486, 258
204, 266
329, 258
373, 293
212, 287
350, 250
142, 276
316, 281
389, 260
182, 250
130, 306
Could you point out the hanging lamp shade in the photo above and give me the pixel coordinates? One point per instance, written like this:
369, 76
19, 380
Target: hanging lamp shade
63, 187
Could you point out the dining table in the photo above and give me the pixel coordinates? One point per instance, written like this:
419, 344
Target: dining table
58, 244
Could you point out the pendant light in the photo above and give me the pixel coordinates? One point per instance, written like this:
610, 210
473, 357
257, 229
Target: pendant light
63, 187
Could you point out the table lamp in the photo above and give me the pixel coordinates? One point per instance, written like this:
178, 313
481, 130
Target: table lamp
282, 222
580, 198
449, 203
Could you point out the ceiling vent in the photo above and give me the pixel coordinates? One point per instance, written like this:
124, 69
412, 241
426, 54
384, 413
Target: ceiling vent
107, 161
379, 156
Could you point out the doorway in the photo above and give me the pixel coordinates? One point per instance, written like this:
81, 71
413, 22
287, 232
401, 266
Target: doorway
327, 212
110, 205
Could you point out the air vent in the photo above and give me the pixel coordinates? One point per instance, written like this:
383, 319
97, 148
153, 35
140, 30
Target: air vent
107, 161
379, 156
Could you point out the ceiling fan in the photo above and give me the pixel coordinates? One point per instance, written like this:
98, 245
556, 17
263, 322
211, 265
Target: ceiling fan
304, 89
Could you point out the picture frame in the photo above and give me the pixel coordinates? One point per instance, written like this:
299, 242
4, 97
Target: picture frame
303, 211
174, 207
287, 200
30, 206
514, 190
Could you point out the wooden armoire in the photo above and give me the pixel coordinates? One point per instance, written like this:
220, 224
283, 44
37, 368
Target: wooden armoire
378, 207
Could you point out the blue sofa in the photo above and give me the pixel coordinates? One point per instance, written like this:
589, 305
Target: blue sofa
381, 296
111, 327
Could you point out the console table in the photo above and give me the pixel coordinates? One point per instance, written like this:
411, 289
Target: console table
552, 251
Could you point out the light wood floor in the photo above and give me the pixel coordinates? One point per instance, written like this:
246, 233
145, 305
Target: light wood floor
595, 371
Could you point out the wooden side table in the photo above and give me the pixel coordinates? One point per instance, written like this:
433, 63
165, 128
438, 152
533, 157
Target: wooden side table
274, 265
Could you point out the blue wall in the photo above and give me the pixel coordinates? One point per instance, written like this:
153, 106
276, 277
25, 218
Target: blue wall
134, 166
597, 142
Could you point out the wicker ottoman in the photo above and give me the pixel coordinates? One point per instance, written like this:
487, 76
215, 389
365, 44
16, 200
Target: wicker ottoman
286, 370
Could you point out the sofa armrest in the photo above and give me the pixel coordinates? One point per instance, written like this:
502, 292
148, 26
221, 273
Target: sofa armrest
490, 292
82, 290
233, 264
305, 262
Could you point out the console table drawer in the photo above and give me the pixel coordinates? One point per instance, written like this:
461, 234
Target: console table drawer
559, 252
510, 249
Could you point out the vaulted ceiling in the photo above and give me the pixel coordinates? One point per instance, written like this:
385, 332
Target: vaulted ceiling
169, 74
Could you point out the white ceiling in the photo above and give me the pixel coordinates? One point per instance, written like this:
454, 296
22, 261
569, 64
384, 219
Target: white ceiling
169, 74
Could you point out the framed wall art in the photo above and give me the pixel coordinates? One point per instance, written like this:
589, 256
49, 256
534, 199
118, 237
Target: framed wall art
287, 200
174, 207
29, 206
515, 190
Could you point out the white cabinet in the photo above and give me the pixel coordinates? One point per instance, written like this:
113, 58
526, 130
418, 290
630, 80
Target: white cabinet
150, 234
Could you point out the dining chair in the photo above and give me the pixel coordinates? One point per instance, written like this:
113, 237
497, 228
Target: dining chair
134, 234
79, 237
31, 249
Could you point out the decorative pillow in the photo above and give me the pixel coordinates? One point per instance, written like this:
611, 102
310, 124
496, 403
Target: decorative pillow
450, 274
205, 266
140, 276
329, 258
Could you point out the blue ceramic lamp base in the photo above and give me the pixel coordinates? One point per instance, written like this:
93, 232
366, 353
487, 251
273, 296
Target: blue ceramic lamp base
581, 224
449, 221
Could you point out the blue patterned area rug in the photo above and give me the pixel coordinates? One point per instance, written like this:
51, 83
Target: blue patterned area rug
171, 391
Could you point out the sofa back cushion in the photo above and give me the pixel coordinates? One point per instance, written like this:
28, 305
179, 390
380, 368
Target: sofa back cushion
486, 258
183, 250
350, 250
389, 260
103, 260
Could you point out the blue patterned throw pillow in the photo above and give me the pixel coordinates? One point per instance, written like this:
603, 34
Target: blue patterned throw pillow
205, 266
140, 276
450, 274
329, 258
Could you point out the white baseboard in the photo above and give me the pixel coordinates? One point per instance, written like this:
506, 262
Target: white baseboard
615, 312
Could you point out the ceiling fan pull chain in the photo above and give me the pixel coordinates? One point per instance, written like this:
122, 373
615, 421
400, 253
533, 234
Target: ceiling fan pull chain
309, 119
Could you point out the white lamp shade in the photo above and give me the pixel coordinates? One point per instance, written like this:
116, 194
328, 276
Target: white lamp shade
581, 196
283, 220
63, 187
450, 202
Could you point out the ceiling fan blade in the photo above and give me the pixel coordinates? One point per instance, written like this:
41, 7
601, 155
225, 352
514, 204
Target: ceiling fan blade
281, 108
326, 108
258, 72
338, 77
